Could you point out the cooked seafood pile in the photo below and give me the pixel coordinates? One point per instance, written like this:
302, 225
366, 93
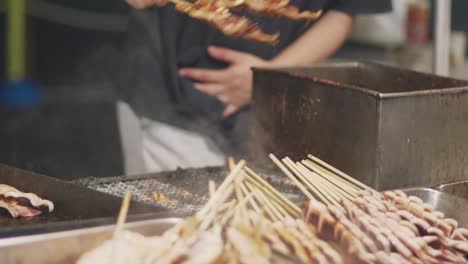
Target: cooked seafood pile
374, 227
246, 220
218, 13
20, 204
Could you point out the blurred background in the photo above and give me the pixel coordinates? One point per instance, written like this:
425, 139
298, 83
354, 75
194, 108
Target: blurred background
59, 114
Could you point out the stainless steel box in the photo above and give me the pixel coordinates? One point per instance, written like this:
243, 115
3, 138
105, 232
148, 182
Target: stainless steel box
385, 126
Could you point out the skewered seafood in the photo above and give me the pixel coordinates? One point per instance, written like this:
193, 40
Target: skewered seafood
220, 17
370, 225
218, 14
20, 204
227, 230
246, 220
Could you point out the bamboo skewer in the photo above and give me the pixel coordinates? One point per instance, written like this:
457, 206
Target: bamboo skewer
346, 185
221, 189
319, 187
231, 163
268, 204
283, 201
207, 217
211, 188
317, 192
264, 208
272, 192
340, 173
329, 186
252, 201
290, 176
123, 213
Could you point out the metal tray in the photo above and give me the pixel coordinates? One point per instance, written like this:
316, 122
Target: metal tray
458, 188
452, 206
389, 127
75, 206
66, 247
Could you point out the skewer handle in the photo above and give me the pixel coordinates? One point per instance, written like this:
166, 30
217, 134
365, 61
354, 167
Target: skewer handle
123, 213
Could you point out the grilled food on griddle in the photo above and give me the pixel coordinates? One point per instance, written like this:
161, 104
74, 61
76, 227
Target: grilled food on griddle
20, 204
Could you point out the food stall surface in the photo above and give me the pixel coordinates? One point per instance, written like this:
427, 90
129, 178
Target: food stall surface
75, 206
68, 246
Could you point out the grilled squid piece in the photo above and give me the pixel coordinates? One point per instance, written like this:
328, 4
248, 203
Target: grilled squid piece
21, 204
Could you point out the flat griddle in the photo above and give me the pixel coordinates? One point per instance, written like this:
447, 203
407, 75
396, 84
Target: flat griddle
75, 206
187, 187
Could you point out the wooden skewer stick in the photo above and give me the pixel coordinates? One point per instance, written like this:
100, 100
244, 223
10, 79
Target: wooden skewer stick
229, 213
293, 179
252, 202
221, 190
330, 191
343, 183
271, 191
336, 179
277, 200
332, 188
316, 183
211, 188
318, 169
207, 217
293, 211
316, 191
123, 213
231, 163
340, 173
269, 204
264, 207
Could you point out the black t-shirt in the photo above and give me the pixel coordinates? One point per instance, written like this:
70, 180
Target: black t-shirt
161, 41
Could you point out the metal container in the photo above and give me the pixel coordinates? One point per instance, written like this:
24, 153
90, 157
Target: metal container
388, 127
452, 206
68, 246
458, 188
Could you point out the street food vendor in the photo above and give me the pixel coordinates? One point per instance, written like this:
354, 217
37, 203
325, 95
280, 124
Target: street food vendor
191, 86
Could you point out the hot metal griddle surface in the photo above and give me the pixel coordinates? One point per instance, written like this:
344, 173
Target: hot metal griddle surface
187, 187
75, 206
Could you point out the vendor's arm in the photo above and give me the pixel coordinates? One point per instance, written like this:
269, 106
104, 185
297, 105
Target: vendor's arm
233, 85
318, 43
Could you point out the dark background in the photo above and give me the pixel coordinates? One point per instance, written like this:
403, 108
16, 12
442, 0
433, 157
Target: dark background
74, 132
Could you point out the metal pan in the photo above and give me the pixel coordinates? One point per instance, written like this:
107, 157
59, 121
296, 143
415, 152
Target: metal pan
75, 206
452, 206
458, 188
66, 247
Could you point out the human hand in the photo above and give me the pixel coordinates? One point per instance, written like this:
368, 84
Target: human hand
142, 4
232, 85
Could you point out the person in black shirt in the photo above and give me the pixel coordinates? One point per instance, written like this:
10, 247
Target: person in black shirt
191, 85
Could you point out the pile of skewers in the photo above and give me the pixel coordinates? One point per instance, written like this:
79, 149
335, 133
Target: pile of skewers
374, 227
246, 220
218, 13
